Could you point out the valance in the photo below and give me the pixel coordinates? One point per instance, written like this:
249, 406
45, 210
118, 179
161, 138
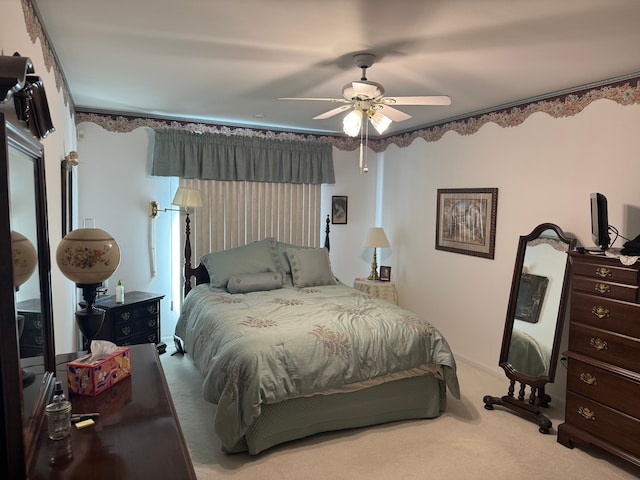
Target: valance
210, 156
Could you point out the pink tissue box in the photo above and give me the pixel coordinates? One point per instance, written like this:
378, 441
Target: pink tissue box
91, 378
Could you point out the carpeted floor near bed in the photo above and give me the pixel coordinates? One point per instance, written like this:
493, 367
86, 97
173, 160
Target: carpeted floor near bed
466, 442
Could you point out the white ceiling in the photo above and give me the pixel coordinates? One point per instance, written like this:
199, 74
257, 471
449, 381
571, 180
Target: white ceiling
228, 61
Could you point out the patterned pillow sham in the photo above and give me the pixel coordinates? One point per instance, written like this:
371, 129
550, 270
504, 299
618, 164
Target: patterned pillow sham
256, 257
310, 267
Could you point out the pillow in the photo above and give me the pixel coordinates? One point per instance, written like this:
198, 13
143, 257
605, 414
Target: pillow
282, 256
254, 282
310, 267
256, 257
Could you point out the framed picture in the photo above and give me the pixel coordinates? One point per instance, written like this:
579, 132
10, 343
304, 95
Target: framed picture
385, 274
339, 209
530, 297
466, 221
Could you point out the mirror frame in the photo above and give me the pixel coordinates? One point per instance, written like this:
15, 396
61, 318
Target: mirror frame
511, 373
20, 424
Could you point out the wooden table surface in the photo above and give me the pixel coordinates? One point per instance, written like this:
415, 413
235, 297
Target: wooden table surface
137, 435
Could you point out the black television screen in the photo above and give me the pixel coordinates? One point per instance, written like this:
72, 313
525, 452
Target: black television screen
599, 221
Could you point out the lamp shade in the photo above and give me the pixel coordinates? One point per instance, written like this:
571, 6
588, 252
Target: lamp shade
380, 122
25, 258
352, 122
88, 255
376, 238
187, 197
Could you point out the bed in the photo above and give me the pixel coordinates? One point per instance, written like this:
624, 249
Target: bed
288, 351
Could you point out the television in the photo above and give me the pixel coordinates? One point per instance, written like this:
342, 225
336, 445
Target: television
600, 221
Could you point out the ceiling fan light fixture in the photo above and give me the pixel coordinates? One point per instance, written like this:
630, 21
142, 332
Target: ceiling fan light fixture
380, 122
352, 123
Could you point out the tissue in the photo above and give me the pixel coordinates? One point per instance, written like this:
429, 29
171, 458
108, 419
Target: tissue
106, 365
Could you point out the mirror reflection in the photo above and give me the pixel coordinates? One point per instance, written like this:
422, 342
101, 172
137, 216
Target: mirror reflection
538, 300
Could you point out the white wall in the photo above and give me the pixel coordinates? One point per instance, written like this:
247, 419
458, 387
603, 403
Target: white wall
114, 190
14, 38
545, 170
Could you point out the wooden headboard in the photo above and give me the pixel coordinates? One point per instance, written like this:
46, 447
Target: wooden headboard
200, 272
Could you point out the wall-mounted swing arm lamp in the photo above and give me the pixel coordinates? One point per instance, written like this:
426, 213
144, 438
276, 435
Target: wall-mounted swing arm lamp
185, 198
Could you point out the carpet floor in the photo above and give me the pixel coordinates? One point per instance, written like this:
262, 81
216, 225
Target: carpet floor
466, 442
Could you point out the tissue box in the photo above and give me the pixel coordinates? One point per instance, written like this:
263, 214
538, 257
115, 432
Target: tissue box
91, 378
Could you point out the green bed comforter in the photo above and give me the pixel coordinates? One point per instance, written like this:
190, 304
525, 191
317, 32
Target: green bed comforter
266, 347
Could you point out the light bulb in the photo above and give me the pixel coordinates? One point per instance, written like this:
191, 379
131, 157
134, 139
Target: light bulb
380, 122
352, 123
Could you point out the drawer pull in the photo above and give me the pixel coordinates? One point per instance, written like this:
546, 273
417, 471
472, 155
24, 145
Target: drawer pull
151, 337
126, 330
151, 322
125, 316
599, 344
603, 272
151, 309
587, 413
37, 324
602, 288
600, 312
588, 379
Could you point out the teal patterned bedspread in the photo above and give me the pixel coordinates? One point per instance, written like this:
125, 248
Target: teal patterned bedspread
266, 347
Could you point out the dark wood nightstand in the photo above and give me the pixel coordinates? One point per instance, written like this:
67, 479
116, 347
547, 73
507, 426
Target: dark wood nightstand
135, 321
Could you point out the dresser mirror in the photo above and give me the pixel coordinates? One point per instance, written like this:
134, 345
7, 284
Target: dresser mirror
27, 374
533, 327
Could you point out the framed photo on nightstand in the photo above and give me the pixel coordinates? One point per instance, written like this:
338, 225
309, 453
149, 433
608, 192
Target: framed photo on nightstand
385, 274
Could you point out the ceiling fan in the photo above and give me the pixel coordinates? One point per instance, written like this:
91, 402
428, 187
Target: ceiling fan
367, 98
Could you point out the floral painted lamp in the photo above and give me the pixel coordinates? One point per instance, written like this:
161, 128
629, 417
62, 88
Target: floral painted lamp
88, 256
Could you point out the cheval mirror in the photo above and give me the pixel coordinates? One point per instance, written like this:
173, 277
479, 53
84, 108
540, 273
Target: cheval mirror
533, 327
27, 356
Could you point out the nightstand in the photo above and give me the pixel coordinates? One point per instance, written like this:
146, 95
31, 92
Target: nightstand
135, 321
375, 288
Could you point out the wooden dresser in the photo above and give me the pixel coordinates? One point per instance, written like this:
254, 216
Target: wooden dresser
603, 378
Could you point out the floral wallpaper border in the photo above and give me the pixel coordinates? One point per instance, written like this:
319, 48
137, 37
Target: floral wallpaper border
625, 92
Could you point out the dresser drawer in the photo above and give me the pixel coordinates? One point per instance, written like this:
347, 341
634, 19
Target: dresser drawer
135, 327
147, 337
614, 315
609, 424
605, 346
135, 311
616, 391
606, 289
617, 273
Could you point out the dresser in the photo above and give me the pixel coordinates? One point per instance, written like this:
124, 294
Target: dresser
136, 436
136, 320
603, 376
376, 288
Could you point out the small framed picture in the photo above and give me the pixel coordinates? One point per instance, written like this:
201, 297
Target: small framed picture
339, 209
385, 274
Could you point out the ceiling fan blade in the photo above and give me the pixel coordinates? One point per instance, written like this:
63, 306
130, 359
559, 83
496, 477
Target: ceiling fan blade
393, 113
332, 112
336, 100
422, 100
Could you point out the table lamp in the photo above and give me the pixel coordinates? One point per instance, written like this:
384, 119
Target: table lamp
88, 256
375, 239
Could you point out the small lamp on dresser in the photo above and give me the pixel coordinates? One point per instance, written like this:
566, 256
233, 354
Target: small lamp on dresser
88, 256
375, 239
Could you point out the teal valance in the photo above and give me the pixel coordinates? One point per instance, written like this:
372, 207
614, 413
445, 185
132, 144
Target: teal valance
210, 156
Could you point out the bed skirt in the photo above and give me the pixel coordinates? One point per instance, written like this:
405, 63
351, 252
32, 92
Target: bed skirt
409, 398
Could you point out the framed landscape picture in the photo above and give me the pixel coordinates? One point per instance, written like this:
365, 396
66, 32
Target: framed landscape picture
339, 209
466, 221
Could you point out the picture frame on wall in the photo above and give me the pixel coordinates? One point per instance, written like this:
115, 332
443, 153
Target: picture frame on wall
466, 221
339, 209
385, 274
